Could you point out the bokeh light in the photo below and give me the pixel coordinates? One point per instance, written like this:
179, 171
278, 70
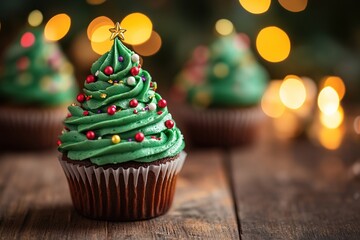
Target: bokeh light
138, 28
292, 92
151, 46
271, 102
27, 40
331, 138
57, 27
101, 34
98, 22
288, 125
255, 6
333, 120
294, 5
273, 44
357, 125
95, 2
328, 100
35, 18
224, 27
101, 47
337, 84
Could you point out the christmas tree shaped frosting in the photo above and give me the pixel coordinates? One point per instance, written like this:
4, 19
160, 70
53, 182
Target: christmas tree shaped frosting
120, 118
36, 72
232, 76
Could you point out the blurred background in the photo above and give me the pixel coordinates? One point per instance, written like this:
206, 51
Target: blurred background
315, 67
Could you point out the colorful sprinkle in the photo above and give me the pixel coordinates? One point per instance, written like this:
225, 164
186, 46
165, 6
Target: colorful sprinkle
108, 70
169, 124
97, 73
135, 111
135, 58
90, 79
80, 97
131, 81
133, 103
111, 110
139, 137
120, 58
99, 111
86, 113
110, 81
159, 112
143, 78
162, 103
90, 135
116, 139
103, 95
58, 143
134, 71
152, 106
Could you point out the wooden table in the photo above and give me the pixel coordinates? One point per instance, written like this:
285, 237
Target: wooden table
271, 190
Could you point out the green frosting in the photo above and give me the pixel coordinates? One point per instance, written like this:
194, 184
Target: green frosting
232, 76
118, 89
36, 72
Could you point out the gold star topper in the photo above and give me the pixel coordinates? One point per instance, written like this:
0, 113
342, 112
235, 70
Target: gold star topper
117, 31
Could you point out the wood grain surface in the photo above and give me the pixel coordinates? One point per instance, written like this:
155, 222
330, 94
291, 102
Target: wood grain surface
297, 191
35, 203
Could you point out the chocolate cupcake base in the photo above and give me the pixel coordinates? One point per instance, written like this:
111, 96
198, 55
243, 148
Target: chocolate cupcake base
123, 192
222, 127
28, 128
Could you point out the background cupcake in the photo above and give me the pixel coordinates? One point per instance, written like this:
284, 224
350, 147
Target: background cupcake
222, 86
121, 149
36, 83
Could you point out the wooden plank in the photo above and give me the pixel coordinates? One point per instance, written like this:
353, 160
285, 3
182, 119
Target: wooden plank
296, 191
35, 203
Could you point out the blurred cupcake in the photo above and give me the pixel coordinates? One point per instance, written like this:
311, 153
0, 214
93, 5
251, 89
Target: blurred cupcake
36, 84
121, 150
222, 86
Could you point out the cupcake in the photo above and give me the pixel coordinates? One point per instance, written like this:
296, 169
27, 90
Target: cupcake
222, 86
121, 149
36, 85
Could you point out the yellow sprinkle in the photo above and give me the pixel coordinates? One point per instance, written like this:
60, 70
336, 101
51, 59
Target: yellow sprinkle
116, 139
121, 81
110, 81
116, 84
103, 95
73, 104
152, 96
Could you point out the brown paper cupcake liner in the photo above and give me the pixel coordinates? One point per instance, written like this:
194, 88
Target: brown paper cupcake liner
30, 128
222, 127
123, 194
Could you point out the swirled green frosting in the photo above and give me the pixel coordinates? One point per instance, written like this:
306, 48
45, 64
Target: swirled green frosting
232, 76
161, 139
36, 72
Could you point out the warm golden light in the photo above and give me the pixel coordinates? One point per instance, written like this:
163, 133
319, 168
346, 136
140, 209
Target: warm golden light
273, 44
271, 102
328, 100
288, 125
101, 34
337, 84
255, 6
138, 28
101, 47
95, 2
294, 5
35, 18
151, 46
57, 27
331, 138
98, 22
224, 27
333, 120
292, 92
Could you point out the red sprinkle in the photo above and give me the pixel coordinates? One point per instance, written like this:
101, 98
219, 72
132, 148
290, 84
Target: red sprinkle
90, 135
139, 137
159, 112
133, 103
162, 103
86, 113
134, 71
58, 143
80, 97
111, 110
135, 111
90, 79
108, 70
68, 115
169, 124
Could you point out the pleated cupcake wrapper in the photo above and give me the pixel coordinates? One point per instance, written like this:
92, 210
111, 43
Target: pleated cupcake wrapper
223, 127
122, 194
30, 128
